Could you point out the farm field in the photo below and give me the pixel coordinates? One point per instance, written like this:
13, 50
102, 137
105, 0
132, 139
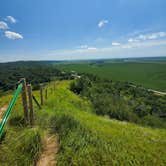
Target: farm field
150, 75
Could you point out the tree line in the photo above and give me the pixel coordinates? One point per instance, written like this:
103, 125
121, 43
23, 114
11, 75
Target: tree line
122, 101
34, 72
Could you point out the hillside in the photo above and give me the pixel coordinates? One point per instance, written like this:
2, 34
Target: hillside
84, 138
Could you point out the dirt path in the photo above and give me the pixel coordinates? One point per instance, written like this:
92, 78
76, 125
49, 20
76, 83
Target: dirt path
2, 110
152, 90
48, 157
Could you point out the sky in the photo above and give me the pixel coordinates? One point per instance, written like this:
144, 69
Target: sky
81, 29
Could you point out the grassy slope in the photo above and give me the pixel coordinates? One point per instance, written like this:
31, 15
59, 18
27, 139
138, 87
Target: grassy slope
150, 75
86, 139
20, 145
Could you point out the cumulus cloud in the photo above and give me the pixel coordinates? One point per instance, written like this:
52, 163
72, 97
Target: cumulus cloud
3, 25
102, 23
11, 19
13, 35
115, 44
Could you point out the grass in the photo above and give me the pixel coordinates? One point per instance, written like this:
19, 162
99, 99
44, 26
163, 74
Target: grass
20, 145
150, 75
85, 138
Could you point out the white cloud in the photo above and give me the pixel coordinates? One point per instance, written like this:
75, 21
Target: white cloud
84, 46
162, 34
135, 49
11, 19
149, 43
115, 44
3, 25
152, 36
102, 23
92, 48
131, 40
13, 35
142, 37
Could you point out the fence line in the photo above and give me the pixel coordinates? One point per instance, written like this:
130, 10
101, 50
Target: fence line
27, 102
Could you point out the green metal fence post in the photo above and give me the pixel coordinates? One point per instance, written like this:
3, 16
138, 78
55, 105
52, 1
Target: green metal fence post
9, 109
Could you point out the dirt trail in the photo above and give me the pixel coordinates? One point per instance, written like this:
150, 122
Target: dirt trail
2, 111
48, 156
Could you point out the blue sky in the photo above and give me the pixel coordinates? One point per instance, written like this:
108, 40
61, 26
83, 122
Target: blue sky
81, 29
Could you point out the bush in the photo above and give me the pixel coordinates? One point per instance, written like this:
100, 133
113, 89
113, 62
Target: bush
120, 100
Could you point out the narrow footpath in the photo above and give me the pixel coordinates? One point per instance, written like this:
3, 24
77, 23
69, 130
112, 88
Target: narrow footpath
48, 156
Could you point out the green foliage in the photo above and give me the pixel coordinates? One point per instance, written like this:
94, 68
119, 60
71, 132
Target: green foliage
34, 72
80, 85
121, 101
87, 139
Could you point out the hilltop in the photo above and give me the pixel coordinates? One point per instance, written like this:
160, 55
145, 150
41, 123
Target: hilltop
84, 138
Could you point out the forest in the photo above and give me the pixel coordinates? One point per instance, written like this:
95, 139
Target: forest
122, 100
34, 72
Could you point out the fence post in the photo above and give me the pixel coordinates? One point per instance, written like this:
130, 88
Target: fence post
46, 94
41, 93
30, 103
24, 101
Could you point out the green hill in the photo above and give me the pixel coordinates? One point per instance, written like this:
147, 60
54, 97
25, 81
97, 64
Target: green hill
84, 138
87, 139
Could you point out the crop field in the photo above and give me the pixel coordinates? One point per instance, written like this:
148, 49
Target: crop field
148, 74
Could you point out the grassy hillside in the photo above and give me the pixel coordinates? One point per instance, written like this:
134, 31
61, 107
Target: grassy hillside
20, 145
85, 138
150, 75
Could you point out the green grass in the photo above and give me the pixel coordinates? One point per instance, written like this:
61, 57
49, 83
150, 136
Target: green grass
20, 145
150, 75
87, 139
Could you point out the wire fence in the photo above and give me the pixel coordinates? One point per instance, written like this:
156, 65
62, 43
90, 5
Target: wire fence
28, 100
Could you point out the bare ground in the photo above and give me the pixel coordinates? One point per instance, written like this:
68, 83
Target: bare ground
2, 111
48, 156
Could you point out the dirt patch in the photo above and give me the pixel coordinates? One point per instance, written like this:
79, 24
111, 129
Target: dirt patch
2, 111
48, 156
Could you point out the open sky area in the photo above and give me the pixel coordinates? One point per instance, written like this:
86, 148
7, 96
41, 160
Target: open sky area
81, 29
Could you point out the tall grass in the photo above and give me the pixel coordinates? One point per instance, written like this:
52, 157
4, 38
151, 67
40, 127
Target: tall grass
86, 139
20, 145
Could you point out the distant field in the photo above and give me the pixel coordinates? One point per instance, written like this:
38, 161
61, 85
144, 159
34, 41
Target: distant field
150, 75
